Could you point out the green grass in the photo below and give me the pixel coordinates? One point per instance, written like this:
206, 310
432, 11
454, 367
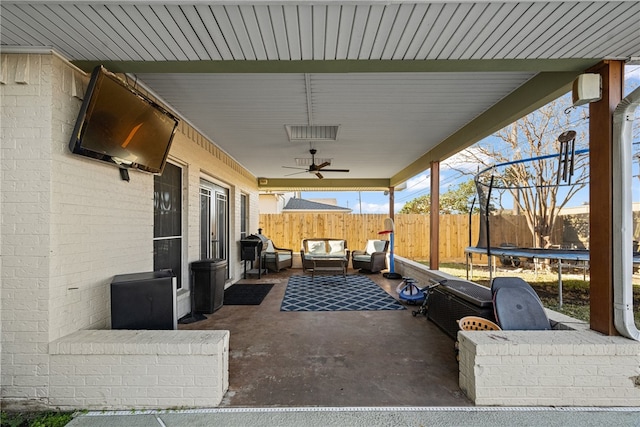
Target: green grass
575, 289
35, 419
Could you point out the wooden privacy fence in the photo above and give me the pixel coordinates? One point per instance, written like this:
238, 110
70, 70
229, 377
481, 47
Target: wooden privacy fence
411, 238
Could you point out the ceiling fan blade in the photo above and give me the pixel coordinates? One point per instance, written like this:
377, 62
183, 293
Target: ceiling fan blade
315, 169
296, 173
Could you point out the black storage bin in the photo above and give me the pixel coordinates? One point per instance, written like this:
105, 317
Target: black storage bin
454, 300
208, 284
144, 301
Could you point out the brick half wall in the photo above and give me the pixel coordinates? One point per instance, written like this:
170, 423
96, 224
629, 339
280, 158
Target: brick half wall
549, 368
126, 369
571, 365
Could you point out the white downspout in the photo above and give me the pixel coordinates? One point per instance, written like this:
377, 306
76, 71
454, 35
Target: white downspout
623, 217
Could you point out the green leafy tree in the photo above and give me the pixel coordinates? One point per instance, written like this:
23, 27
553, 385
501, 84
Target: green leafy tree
419, 205
454, 201
458, 200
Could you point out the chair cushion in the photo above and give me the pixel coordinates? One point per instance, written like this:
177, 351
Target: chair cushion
337, 246
316, 247
283, 256
375, 246
270, 247
363, 258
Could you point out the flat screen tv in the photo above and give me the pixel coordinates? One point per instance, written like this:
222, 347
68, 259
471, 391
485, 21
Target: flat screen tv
120, 125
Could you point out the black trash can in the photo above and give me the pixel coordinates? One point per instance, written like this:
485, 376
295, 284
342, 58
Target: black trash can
208, 284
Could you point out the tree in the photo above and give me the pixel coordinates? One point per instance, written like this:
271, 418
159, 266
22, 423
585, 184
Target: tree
458, 200
537, 191
419, 205
454, 201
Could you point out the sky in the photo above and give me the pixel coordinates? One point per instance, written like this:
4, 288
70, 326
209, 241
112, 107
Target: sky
376, 202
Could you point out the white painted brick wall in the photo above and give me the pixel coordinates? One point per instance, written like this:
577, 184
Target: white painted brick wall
92, 214
25, 196
562, 368
418, 272
69, 224
182, 149
118, 369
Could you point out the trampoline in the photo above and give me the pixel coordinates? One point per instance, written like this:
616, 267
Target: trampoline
537, 254
498, 177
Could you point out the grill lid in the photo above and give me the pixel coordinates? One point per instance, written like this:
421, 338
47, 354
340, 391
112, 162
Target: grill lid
255, 240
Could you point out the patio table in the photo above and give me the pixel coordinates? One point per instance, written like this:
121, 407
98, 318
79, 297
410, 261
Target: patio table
328, 263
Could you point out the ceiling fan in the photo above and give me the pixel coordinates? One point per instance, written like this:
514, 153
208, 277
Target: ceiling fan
315, 169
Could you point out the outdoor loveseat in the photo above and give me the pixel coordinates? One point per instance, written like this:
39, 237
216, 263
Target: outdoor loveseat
319, 247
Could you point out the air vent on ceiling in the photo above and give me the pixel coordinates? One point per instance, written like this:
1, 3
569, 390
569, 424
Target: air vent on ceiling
312, 133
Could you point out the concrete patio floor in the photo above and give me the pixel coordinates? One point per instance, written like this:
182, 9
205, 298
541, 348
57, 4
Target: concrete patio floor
334, 359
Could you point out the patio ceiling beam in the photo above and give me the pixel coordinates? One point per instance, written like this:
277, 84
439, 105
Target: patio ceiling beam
326, 184
535, 93
343, 66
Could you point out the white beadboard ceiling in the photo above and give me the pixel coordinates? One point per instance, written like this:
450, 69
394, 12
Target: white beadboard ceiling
407, 82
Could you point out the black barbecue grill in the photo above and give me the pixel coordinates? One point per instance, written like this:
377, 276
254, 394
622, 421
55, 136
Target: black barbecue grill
251, 249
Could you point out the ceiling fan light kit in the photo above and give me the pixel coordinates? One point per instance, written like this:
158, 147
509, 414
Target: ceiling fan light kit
315, 169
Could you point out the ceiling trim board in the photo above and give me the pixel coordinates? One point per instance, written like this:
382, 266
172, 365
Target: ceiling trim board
343, 66
326, 184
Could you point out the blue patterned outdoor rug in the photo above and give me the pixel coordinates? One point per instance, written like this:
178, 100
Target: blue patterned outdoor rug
332, 293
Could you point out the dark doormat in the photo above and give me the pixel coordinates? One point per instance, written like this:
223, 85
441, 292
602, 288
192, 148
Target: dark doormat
244, 294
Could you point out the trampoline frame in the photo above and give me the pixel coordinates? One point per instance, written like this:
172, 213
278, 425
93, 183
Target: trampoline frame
535, 254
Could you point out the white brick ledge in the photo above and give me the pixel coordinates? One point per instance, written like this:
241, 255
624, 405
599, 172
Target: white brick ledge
122, 341
549, 368
134, 369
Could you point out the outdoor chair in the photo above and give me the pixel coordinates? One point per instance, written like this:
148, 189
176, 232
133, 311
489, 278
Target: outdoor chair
511, 282
517, 306
373, 258
275, 258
